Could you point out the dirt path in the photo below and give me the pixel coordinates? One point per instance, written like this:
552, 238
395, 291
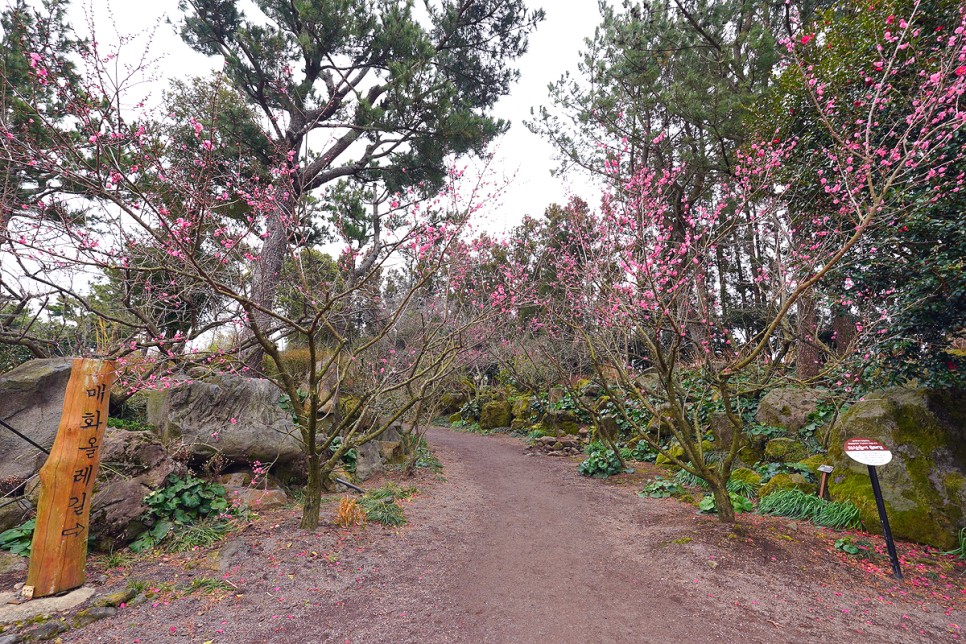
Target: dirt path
518, 548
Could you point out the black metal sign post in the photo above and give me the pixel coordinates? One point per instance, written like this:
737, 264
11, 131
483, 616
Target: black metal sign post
872, 453
884, 519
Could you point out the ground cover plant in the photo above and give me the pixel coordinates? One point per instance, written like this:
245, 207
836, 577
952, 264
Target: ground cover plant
800, 505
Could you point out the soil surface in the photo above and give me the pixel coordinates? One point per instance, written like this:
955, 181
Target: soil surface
513, 546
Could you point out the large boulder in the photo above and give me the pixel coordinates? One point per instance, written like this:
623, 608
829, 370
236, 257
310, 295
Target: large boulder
788, 408
924, 486
118, 502
31, 401
495, 414
240, 418
368, 461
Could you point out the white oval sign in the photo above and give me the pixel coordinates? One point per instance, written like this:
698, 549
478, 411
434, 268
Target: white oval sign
867, 451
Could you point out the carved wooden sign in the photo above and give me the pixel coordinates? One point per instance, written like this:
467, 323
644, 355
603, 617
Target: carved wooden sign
59, 548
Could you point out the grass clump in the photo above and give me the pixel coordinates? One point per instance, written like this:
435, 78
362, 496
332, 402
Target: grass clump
796, 504
959, 550
380, 504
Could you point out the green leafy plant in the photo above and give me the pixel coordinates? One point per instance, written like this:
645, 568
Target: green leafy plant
17, 540
660, 488
769, 470
643, 452
768, 431
796, 504
426, 459
470, 411
348, 459
862, 548
182, 502
738, 502
601, 461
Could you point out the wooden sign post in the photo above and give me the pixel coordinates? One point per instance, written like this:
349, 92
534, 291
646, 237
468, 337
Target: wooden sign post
59, 548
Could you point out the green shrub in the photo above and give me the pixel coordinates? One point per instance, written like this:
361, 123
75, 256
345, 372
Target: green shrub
182, 502
17, 540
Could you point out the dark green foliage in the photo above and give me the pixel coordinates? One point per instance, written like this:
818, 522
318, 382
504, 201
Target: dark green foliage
471, 410
768, 431
182, 502
796, 504
435, 98
17, 540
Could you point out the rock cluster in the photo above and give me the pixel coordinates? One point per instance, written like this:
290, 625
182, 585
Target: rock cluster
558, 446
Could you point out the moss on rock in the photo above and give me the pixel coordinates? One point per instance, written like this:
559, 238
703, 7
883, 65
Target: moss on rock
495, 414
785, 450
924, 487
786, 482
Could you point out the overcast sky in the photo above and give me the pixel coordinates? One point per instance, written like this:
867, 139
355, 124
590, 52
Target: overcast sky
554, 49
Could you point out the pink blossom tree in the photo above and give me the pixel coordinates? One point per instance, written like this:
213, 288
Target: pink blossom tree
176, 218
639, 284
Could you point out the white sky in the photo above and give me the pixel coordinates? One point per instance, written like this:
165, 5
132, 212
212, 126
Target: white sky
554, 49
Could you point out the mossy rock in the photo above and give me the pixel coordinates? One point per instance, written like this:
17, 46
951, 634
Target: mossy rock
495, 414
746, 475
788, 408
786, 482
674, 450
452, 401
924, 487
785, 450
521, 408
519, 425
456, 418
813, 462
559, 422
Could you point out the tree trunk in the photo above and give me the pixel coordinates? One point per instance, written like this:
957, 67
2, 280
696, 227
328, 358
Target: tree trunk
722, 500
808, 359
312, 506
265, 279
